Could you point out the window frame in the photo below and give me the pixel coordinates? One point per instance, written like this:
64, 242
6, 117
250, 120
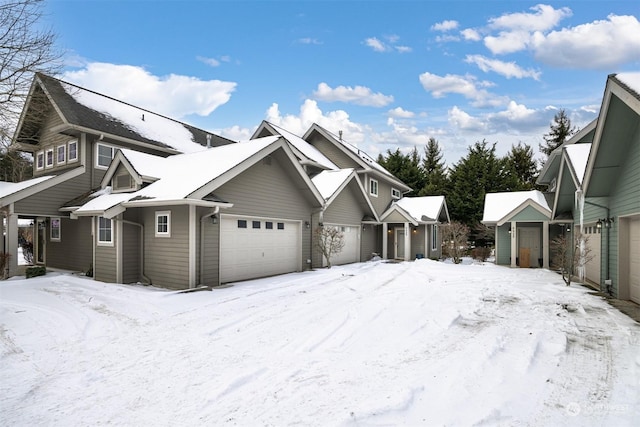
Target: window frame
100, 228
39, 163
64, 154
113, 150
395, 193
73, 142
434, 237
53, 238
167, 232
373, 184
48, 164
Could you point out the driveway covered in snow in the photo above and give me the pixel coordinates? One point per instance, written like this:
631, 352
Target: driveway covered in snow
415, 343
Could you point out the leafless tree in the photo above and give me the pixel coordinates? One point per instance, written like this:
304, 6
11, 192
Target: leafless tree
571, 257
329, 241
26, 47
454, 240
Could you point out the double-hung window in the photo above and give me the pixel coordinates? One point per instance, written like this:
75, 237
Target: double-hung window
395, 193
72, 151
61, 154
434, 237
55, 231
373, 187
105, 232
104, 155
49, 158
40, 160
163, 224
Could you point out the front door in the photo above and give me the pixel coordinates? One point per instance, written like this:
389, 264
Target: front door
39, 247
399, 243
529, 247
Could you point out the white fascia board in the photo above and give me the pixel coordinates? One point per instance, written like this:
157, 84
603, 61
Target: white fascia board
525, 204
175, 202
401, 211
41, 186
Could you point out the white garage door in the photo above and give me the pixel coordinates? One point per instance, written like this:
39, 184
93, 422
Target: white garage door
258, 247
634, 260
351, 251
592, 272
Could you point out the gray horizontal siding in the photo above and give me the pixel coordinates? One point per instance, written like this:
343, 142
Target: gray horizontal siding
74, 250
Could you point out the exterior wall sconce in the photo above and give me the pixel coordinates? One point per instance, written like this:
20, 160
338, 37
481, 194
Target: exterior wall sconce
214, 219
605, 222
307, 224
415, 229
364, 227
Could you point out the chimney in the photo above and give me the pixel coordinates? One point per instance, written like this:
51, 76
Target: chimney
208, 141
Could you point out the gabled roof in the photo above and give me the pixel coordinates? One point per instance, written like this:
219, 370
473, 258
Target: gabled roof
191, 178
360, 157
11, 192
331, 183
143, 167
84, 110
501, 207
305, 151
616, 131
420, 210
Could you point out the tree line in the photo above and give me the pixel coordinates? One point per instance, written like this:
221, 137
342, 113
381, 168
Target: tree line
481, 171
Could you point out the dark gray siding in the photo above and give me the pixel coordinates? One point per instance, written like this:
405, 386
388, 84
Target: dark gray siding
417, 241
131, 248
105, 268
332, 152
382, 202
369, 241
74, 250
211, 257
167, 258
48, 202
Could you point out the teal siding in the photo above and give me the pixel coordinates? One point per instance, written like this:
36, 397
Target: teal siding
503, 255
529, 214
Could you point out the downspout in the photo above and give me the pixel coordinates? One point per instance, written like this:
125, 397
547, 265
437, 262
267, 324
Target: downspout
124, 221
607, 287
216, 210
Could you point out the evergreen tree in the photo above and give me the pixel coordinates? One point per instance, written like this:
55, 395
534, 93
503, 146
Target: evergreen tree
523, 168
561, 130
405, 167
475, 175
435, 178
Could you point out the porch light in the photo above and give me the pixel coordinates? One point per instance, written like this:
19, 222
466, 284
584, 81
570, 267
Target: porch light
214, 219
307, 224
606, 222
568, 228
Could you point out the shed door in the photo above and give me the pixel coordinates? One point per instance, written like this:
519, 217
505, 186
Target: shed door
351, 250
634, 260
592, 268
258, 247
529, 248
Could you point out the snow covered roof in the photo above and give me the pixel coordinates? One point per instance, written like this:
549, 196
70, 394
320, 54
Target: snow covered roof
423, 209
578, 155
498, 206
304, 147
146, 165
631, 80
9, 188
90, 110
328, 182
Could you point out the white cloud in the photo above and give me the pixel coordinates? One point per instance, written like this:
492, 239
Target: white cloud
403, 49
359, 95
471, 34
209, 61
445, 26
461, 120
174, 95
544, 18
375, 44
507, 69
601, 44
400, 112
508, 42
309, 40
467, 86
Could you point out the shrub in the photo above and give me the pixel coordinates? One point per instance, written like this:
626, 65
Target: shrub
36, 271
481, 254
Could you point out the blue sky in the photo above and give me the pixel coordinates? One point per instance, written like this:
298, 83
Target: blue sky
387, 73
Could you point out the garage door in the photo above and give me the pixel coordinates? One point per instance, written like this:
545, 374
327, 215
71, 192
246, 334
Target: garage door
258, 247
351, 251
634, 260
592, 270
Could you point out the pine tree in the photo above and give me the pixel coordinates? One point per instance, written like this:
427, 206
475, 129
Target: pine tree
405, 167
561, 130
523, 167
435, 178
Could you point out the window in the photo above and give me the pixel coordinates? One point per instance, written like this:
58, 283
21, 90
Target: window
373, 187
395, 193
123, 182
72, 151
281, 226
268, 225
105, 154
255, 224
61, 154
434, 237
105, 232
163, 224
242, 223
55, 230
40, 160
49, 158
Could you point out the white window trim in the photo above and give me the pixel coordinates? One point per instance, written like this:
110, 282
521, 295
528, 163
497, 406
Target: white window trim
434, 237
48, 165
113, 149
51, 238
163, 233
104, 242
64, 160
394, 195
371, 181
38, 154
69, 144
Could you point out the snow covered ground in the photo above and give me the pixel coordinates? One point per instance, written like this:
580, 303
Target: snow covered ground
371, 344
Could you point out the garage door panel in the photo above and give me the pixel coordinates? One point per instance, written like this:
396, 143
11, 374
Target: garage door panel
351, 250
247, 253
634, 260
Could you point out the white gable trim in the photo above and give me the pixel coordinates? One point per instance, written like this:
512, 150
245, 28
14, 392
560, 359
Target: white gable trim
353, 176
527, 203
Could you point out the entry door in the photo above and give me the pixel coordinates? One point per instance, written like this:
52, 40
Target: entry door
39, 243
529, 239
399, 243
634, 260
